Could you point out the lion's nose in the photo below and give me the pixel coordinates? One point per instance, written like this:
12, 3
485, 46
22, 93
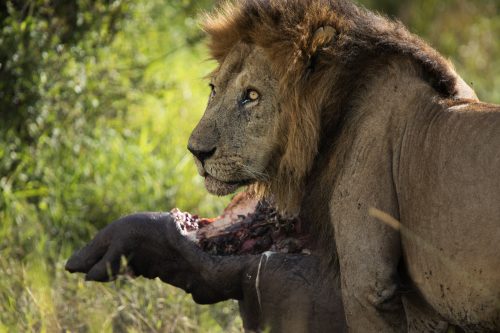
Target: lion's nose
201, 154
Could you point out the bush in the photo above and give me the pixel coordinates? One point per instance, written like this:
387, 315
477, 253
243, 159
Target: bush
95, 111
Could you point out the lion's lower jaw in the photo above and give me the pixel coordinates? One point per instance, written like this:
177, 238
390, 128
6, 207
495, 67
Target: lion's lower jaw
219, 188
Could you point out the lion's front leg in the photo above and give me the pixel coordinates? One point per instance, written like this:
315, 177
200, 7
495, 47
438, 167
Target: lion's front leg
369, 252
421, 317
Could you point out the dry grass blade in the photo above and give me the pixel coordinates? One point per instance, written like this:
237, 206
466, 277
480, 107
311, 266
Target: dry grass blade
385, 218
426, 246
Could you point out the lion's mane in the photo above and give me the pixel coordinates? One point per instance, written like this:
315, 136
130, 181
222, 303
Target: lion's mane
311, 101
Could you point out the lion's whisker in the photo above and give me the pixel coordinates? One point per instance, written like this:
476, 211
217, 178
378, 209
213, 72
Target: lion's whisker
258, 175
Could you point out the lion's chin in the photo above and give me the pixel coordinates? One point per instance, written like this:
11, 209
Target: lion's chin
220, 188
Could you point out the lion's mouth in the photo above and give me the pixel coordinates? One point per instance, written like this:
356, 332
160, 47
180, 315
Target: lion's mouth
218, 187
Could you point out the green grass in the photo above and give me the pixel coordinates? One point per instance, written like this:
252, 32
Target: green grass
47, 299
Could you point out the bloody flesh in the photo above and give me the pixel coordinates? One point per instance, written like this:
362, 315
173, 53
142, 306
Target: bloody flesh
247, 226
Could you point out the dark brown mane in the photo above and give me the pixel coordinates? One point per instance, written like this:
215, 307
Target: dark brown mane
315, 79
285, 28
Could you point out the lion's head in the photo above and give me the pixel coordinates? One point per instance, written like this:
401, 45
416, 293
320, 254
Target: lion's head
288, 70
236, 139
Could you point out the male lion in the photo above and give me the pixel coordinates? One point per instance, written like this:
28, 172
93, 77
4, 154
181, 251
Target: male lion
331, 110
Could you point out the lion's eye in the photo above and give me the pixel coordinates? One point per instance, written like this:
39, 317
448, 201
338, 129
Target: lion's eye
250, 96
212, 90
253, 95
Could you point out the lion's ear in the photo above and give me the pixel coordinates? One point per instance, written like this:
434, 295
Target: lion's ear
322, 37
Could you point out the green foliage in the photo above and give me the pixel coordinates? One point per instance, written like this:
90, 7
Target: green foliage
94, 125
97, 99
39, 39
465, 31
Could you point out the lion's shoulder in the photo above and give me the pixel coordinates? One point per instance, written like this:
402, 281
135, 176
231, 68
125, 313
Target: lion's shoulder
470, 105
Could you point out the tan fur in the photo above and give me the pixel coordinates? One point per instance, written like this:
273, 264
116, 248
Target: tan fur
357, 113
308, 67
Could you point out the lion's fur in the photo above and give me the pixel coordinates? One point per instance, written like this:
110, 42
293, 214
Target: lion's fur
366, 116
310, 72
